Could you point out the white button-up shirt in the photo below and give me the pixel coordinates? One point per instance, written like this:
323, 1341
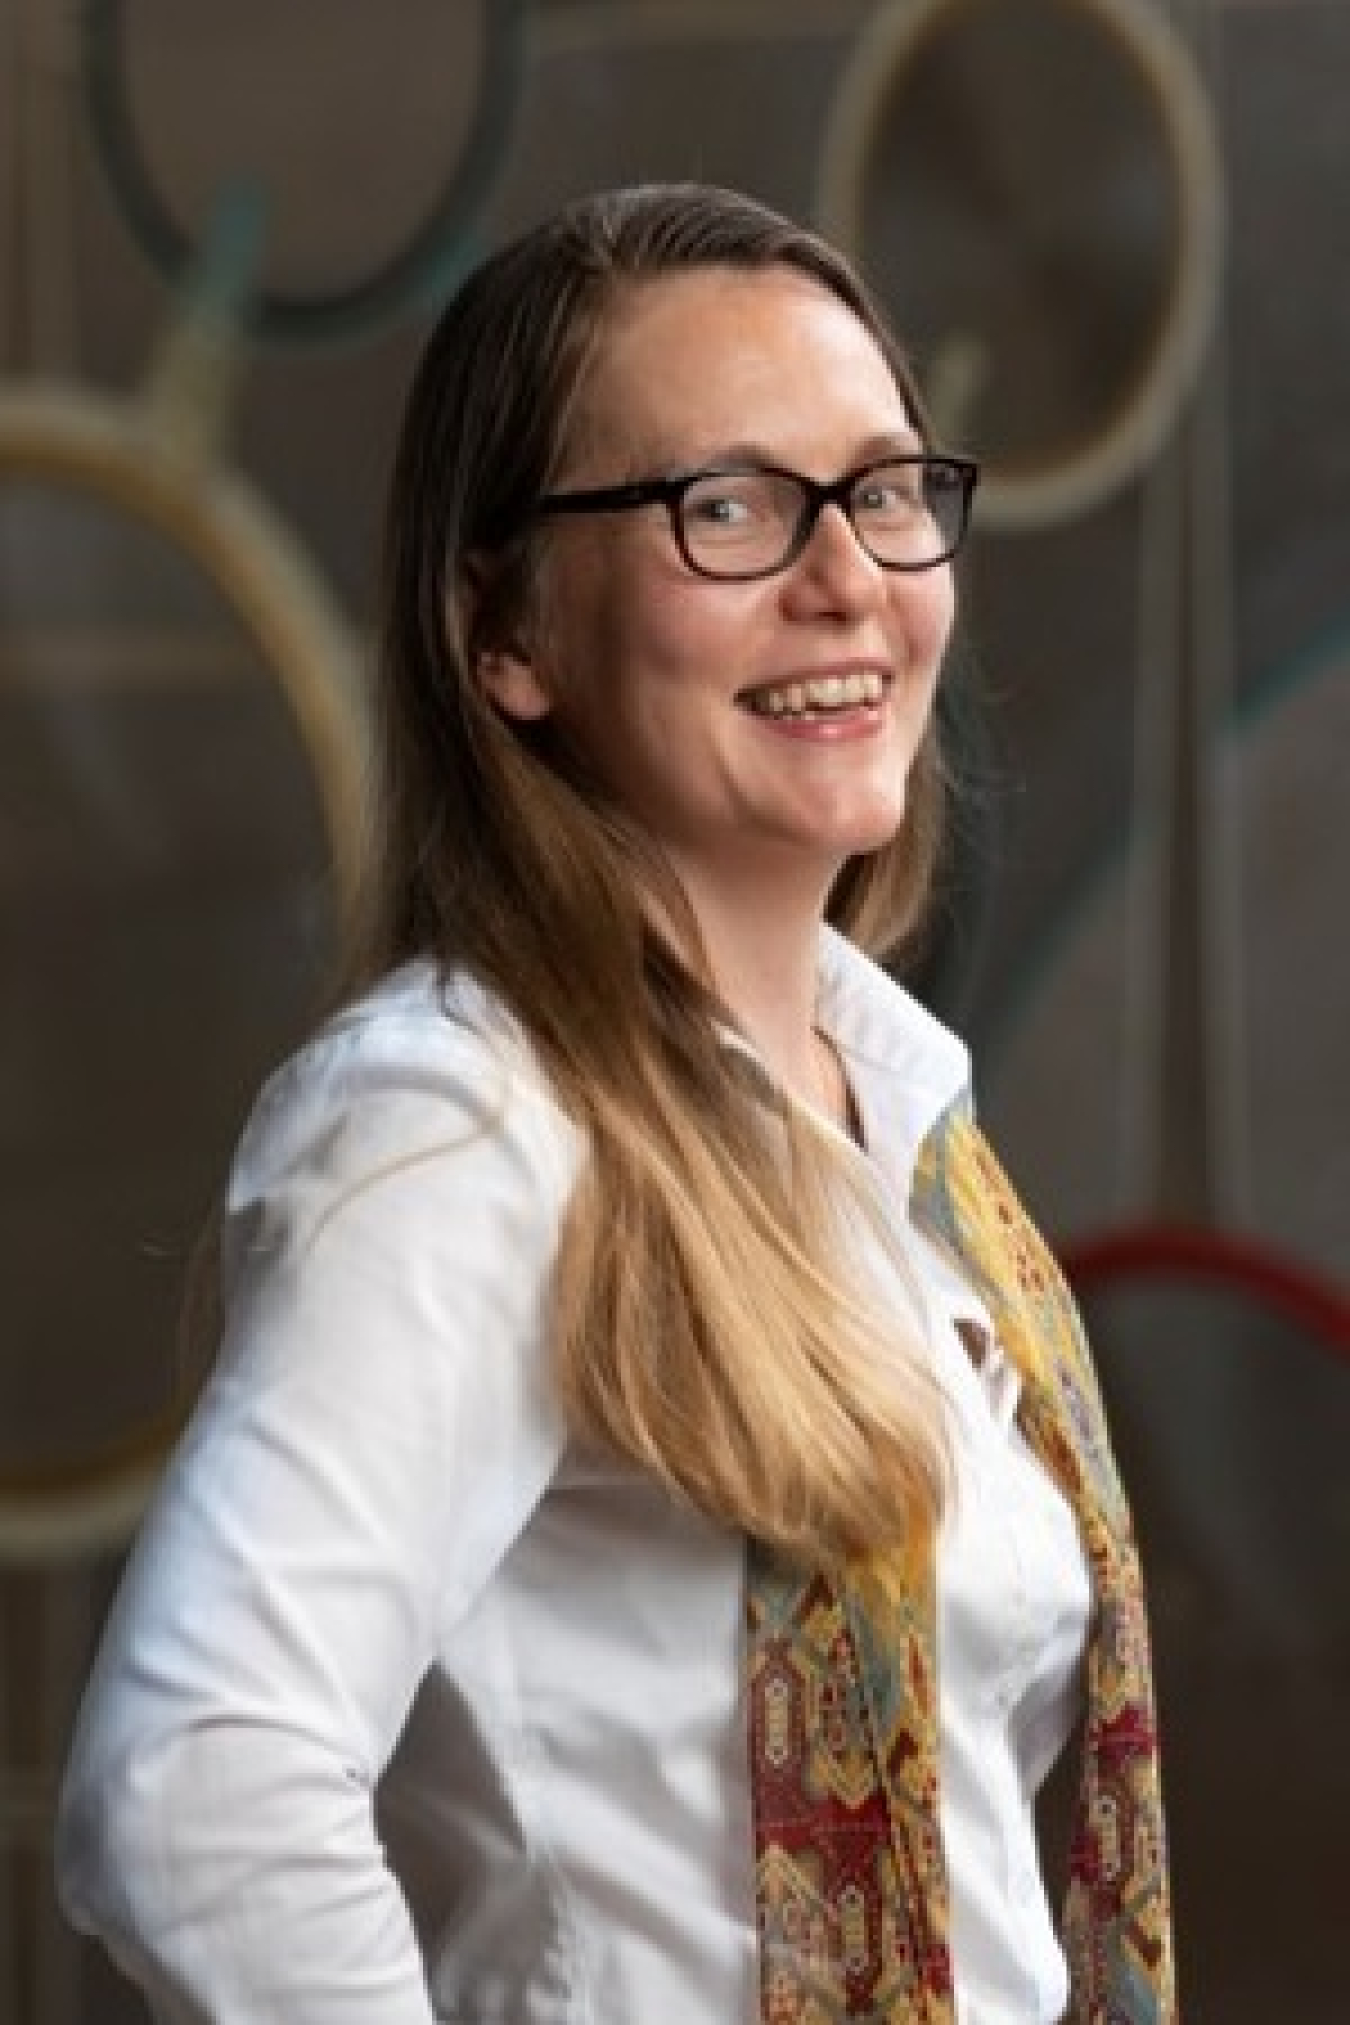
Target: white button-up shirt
412, 1707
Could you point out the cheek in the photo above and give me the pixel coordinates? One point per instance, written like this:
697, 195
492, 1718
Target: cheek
942, 609
616, 673
924, 616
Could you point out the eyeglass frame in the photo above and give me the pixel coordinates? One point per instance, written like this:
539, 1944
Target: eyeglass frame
669, 491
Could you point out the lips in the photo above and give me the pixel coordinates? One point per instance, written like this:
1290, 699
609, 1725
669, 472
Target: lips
817, 695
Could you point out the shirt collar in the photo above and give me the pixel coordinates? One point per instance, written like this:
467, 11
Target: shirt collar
905, 1066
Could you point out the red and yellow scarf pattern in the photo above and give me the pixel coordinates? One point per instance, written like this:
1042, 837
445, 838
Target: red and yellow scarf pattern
842, 1683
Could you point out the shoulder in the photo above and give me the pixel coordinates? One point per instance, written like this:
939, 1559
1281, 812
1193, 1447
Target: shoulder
423, 1078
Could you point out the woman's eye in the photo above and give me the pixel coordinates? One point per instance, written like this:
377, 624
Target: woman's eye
719, 509
889, 495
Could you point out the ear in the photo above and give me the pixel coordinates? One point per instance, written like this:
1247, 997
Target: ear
510, 677
503, 660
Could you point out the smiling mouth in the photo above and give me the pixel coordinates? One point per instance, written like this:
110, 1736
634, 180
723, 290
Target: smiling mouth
822, 696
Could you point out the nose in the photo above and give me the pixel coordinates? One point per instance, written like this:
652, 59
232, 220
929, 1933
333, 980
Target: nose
833, 568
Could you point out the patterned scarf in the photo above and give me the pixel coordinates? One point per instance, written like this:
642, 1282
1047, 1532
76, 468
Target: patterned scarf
842, 1679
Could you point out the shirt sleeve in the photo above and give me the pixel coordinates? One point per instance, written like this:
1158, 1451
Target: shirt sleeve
377, 1430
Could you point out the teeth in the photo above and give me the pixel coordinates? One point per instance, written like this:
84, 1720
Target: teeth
827, 692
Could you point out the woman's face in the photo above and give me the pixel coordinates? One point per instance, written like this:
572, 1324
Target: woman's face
666, 682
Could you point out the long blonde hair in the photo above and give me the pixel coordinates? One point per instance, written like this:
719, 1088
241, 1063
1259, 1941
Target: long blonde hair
706, 1322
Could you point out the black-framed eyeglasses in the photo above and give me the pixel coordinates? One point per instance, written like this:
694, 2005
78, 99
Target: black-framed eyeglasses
733, 522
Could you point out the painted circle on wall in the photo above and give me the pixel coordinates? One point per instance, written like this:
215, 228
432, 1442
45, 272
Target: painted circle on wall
1033, 186
180, 756
302, 106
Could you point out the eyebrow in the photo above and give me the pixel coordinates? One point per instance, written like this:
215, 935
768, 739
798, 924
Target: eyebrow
888, 443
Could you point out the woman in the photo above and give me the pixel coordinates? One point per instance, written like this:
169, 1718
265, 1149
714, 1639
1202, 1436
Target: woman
649, 1530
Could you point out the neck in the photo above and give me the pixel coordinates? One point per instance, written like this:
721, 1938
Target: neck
763, 961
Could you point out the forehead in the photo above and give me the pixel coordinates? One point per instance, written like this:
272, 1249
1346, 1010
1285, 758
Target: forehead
684, 365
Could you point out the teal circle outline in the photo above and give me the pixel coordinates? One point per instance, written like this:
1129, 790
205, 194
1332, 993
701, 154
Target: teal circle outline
420, 272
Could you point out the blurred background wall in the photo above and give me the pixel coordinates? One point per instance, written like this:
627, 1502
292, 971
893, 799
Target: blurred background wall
1115, 233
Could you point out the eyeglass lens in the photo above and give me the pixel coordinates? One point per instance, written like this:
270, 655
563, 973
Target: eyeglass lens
906, 514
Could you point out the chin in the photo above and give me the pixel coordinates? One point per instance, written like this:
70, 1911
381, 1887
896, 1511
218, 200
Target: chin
871, 829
